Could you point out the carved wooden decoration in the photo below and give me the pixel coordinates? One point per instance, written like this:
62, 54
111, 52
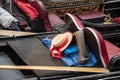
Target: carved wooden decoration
60, 7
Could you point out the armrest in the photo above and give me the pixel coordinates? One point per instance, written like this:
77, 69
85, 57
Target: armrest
42, 13
54, 19
57, 23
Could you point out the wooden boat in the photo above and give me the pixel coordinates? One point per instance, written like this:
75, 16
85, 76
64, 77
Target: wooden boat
26, 49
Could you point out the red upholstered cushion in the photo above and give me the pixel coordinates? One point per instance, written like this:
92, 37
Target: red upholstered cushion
27, 8
111, 49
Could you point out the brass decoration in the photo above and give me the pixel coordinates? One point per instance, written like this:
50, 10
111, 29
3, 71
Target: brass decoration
60, 7
108, 19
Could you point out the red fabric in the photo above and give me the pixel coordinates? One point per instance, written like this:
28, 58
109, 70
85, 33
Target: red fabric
27, 8
112, 49
117, 19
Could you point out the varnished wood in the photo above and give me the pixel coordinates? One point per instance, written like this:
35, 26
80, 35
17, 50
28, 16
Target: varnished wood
57, 68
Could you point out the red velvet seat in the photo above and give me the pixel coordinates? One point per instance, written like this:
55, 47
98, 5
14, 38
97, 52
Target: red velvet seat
103, 49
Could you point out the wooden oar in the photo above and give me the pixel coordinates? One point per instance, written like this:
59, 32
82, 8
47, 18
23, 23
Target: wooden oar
57, 68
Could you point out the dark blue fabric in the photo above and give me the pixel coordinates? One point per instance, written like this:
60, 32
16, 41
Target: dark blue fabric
71, 55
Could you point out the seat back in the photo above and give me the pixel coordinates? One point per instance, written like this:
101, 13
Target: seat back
73, 23
97, 45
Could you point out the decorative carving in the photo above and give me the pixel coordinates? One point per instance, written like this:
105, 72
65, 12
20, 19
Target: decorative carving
108, 19
71, 6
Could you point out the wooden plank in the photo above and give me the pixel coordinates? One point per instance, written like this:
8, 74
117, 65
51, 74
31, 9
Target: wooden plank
57, 68
10, 33
31, 51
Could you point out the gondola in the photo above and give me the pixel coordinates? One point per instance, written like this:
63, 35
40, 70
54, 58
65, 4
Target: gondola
25, 47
